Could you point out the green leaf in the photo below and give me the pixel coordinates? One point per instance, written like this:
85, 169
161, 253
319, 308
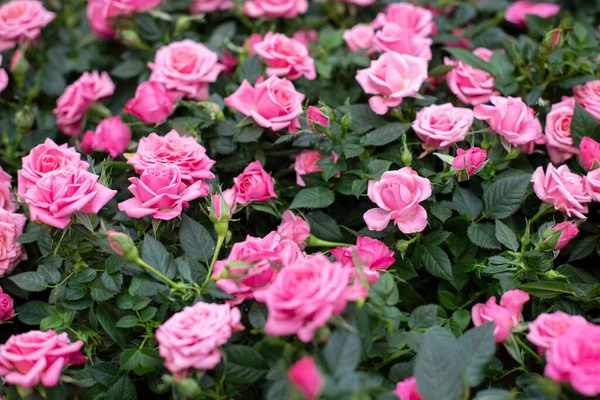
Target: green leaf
342, 352
583, 124
386, 134
32, 312
436, 262
548, 289
583, 248
494, 394
471, 59
243, 364
324, 227
258, 315
504, 197
315, 197
478, 347
249, 134
155, 254
30, 281
128, 69
108, 323
466, 203
122, 390
440, 70
423, 317
483, 235
502, 64
104, 373
113, 281
195, 240
506, 236
127, 321
251, 69
364, 118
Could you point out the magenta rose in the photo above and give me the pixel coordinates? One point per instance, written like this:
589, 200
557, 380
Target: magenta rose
592, 184
294, 228
254, 184
374, 255
471, 160
224, 205
152, 103
190, 339
97, 16
398, 39
563, 189
285, 57
38, 357
21, 21
397, 196
228, 61
547, 328
516, 12
505, 316
7, 198
305, 376
7, 310
11, 252
306, 163
588, 95
273, 104
316, 117
589, 153
417, 19
471, 85
568, 231
63, 192
408, 390
359, 37
558, 131
111, 136
275, 8
391, 78
575, 358
440, 126
206, 6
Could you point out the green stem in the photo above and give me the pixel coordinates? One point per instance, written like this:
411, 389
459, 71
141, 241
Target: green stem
528, 349
150, 268
220, 240
313, 241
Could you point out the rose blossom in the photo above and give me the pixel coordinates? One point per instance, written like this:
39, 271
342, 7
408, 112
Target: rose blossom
306, 36
192, 336
592, 184
558, 131
273, 103
440, 126
285, 57
563, 189
134, 5
505, 316
305, 294
111, 136
206, 6
294, 228
305, 375
224, 200
547, 328
588, 95
186, 68
45, 158
361, 3
516, 12
275, 8
152, 103
3, 76
471, 85
6, 306
306, 163
7, 199
374, 255
184, 152
97, 16
228, 61
471, 160
254, 184
568, 231
397, 195
38, 357
11, 252
402, 40
22, 21
316, 117
391, 78
589, 153
417, 19
511, 118
359, 37
251, 41
408, 390
63, 192
575, 358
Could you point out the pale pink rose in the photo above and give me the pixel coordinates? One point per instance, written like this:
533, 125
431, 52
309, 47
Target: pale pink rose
398, 39
588, 96
305, 376
529, 148
152, 103
7, 310
575, 358
161, 193
224, 205
63, 192
7, 198
440, 126
11, 252
306, 36
547, 328
275, 8
228, 61
592, 184
360, 37
45, 158
316, 117
186, 68
294, 228
190, 339
21, 21
516, 12
207, 6
589, 153
558, 131
254, 184
505, 316
471, 85
38, 357
470, 160
98, 18
111, 136
408, 390
568, 231
397, 195
373, 255
305, 294
273, 104
417, 19
511, 118
285, 57
563, 189
391, 78
306, 163
184, 152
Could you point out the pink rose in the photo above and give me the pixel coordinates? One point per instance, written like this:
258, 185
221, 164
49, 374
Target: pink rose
397, 196
359, 37
516, 12
273, 104
161, 193
22, 21
275, 8
133, 5
97, 16
63, 192
206, 6
306, 163
294, 228
588, 95
575, 358
563, 189
305, 294
374, 255
224, 204
184, 152
190, 339
592, 184
112, 136
471, 160
11, 252
6, 306
568, 231
511, 118
305, 376
254, 184
415, 18
38, 357
251, 41
228, 61
4, 75
152, 103
285, 57
45, 158
186, 68
589, 153
391, 78
316, 117
558, 131
408, 390
306, 36
402, 40
17, 55
471, 85
442, 126
505, 316
7, 198
547, 328
361, 3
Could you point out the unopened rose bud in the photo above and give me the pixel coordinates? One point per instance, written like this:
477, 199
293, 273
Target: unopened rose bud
316, 119
215, 112
6, 307
469, 162
552, 38
131, 38
406, 155
122, 245
589, 153
558, 236
223, 206
24, 120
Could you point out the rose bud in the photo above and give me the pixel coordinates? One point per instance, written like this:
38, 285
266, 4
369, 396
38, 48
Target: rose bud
122, 245
6, 306
152, 103
469, 162
589, 153
305, 376
558, 236
316, 118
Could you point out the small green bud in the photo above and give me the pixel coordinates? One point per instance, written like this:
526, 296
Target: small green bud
122, 245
